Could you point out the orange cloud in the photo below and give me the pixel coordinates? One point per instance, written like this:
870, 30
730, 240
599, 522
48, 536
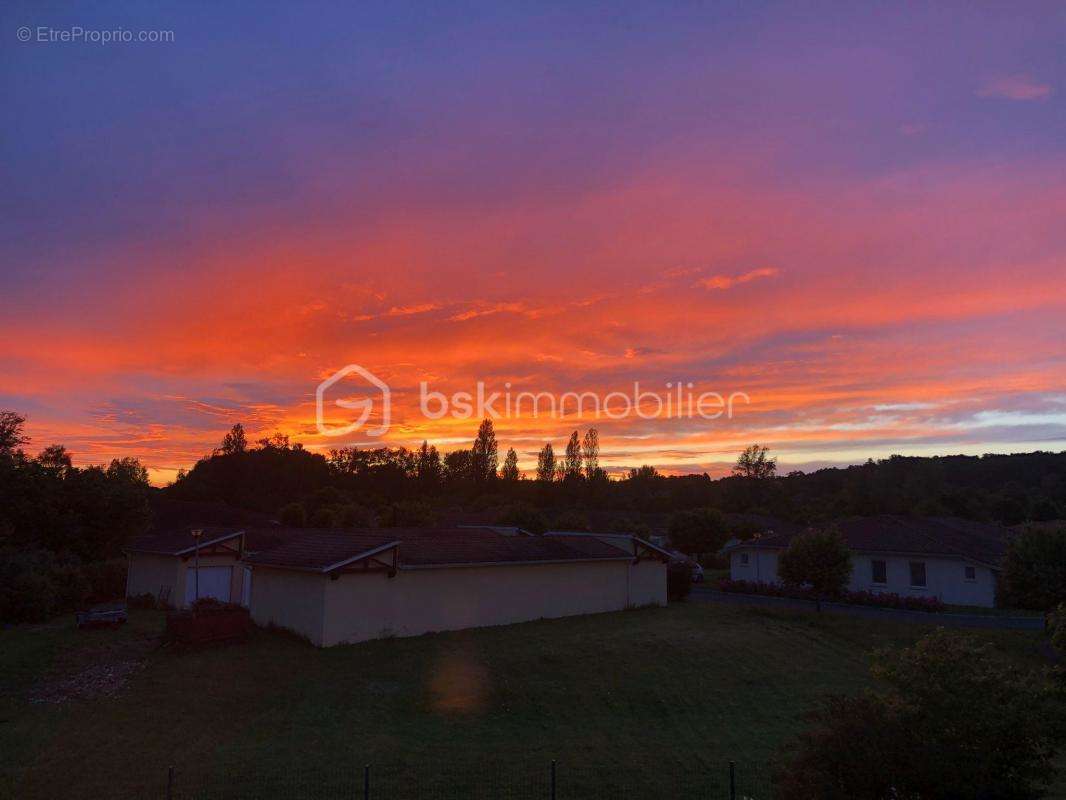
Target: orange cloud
729, 281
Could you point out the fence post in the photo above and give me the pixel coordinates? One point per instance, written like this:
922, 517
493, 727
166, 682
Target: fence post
732, 780
553, 780
170, 783
366, 782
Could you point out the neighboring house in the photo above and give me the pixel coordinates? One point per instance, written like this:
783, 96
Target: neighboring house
957, 561
335, 586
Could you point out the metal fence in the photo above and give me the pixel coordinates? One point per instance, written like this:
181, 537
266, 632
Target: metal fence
555, 780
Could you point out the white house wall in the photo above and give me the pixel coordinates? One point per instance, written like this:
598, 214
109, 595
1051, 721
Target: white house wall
944, 577
360, 606
289, 599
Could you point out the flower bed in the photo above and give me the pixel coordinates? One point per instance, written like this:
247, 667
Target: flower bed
864, 598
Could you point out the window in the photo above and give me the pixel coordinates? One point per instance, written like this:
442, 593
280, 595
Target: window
917, 573
971, 573
879, 571
743, 559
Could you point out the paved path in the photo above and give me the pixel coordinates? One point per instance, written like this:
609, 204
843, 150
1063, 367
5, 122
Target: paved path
709, 595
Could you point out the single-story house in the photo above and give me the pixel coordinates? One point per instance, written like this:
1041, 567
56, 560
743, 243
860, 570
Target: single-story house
335, 586
955, 560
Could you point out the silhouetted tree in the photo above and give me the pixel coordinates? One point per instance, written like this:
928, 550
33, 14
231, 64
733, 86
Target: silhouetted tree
753, 463
483, 456
546, 464
429, 468
590, 451
699, 531
11, 431
279, 441
55, 458
458, 466
572, 458
235, 441
509, 471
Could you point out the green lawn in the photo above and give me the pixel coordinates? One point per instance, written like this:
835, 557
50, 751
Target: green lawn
637, 698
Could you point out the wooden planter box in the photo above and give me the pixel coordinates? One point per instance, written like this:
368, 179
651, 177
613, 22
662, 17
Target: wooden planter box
215, 625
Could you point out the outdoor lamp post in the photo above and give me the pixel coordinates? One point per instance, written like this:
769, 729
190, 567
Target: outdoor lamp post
197, 534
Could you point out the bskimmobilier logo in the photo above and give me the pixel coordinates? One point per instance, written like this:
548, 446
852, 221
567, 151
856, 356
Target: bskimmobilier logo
679, 400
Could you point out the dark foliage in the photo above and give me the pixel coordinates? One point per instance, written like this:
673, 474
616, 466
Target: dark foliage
1034, 571
879, 599
952, 721
678, 581
818, 559
699, 531
36, 584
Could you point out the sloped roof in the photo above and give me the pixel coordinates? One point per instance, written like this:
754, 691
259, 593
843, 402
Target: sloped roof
934, 536
417, 548
181, 541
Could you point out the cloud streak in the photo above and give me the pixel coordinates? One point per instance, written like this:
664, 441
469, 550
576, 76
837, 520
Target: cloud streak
722, 282
1015, 87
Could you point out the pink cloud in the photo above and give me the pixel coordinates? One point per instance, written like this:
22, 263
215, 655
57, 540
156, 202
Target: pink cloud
1015, 87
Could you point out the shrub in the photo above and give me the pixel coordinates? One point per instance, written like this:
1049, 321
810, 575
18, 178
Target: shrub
72, 588
678, 581
1034, 570
952, 721
862, 598
818, 559
107, 579
28, 597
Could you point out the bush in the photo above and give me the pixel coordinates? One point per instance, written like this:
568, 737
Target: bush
818, 559
28, 597
36, 585
863, 598
107, 579
678, 581
1034, 570
952, 721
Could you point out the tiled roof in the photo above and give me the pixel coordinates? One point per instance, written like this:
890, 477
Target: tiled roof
177, 542
322, 550
934, 536
319, 549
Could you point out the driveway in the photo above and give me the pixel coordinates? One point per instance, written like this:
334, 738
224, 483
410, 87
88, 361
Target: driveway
709, 595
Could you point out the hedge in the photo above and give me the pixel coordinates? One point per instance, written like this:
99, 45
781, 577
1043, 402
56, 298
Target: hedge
37, 585
864, 598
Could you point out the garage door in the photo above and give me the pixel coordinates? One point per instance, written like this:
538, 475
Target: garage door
214, 582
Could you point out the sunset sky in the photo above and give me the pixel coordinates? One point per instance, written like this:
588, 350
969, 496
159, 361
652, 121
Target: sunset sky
854, 214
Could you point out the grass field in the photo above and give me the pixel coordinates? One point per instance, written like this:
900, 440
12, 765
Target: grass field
622, 700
